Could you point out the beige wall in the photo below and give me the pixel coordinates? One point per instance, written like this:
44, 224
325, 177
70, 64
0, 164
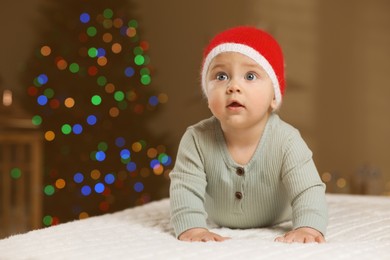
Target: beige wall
16, 38
354, 89
338, 62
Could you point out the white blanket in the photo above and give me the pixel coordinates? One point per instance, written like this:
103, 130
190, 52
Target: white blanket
359, 228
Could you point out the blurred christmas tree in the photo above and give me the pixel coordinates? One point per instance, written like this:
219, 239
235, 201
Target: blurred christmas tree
89, 88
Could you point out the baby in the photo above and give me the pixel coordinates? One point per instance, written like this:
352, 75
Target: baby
244, 167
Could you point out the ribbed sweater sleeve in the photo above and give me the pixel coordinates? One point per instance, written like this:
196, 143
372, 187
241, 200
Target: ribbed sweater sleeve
188, 184
303, 185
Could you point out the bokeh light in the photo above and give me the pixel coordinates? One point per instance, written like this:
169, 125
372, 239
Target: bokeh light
108, 13
84, 18
153, 100
92, 52
83, 215
16, 173
45, 50
101, 81
60, 183
78, 177
139, 60
86, 190
131, 166
107, 37
102, 61
66, 129
69, 102
116, 48
42, 100
129, 72
91, 119
114, 112
49, 190
77, 129
36, 120
91, 31
109, 178
109, 88
99, 187
62, 64
96, 100
47, 220
138, 186
49, 135
74, 67
120, 141
100, 156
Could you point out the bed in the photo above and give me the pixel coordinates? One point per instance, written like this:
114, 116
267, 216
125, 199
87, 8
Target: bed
359, 228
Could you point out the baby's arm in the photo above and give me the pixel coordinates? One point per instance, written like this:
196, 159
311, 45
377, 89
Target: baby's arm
302, 235
200, 235
306, 192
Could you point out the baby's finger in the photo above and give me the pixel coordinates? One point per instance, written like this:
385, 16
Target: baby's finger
221, 238
309, 239
279, 239
320, 239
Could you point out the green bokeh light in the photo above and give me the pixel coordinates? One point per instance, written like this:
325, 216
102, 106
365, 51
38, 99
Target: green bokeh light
96, 100
49, 190
108, 13
103, 146
36, 83
49, 93
36, 120
138, 51
74, 67
16, 173
144, 71
101, 81
91, 31
133, 23
146, 79
119, 96
122, 105
92, 52
92, 155
126, 161
47, 220
66, 129
139, 60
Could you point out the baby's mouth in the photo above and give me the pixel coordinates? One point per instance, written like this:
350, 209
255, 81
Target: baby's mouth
235, 104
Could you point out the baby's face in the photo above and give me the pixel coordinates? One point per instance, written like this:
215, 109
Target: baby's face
239, 91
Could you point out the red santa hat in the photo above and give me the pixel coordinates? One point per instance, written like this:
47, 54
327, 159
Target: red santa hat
254, 43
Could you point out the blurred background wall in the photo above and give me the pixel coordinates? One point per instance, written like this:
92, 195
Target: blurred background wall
337, 66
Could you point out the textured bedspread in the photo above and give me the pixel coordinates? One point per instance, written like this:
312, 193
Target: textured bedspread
359, 228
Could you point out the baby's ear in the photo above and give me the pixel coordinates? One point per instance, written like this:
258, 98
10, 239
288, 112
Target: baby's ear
274, 104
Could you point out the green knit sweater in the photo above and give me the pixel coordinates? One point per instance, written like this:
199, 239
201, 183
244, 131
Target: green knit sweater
279, 183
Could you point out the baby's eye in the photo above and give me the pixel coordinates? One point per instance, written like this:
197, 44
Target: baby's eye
250, 76
222, 76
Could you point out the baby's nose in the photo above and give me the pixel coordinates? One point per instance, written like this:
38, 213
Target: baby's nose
233, 86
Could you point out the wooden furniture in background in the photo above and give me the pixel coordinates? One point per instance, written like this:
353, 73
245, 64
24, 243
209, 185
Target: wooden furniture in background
20, 181
21, 168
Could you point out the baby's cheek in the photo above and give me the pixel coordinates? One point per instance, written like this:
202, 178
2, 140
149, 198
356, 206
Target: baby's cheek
214, 105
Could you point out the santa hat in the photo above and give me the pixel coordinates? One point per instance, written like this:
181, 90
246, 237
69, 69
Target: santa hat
254, 43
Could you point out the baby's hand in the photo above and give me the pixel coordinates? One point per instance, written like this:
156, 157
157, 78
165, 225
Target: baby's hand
200, 235
302, 235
